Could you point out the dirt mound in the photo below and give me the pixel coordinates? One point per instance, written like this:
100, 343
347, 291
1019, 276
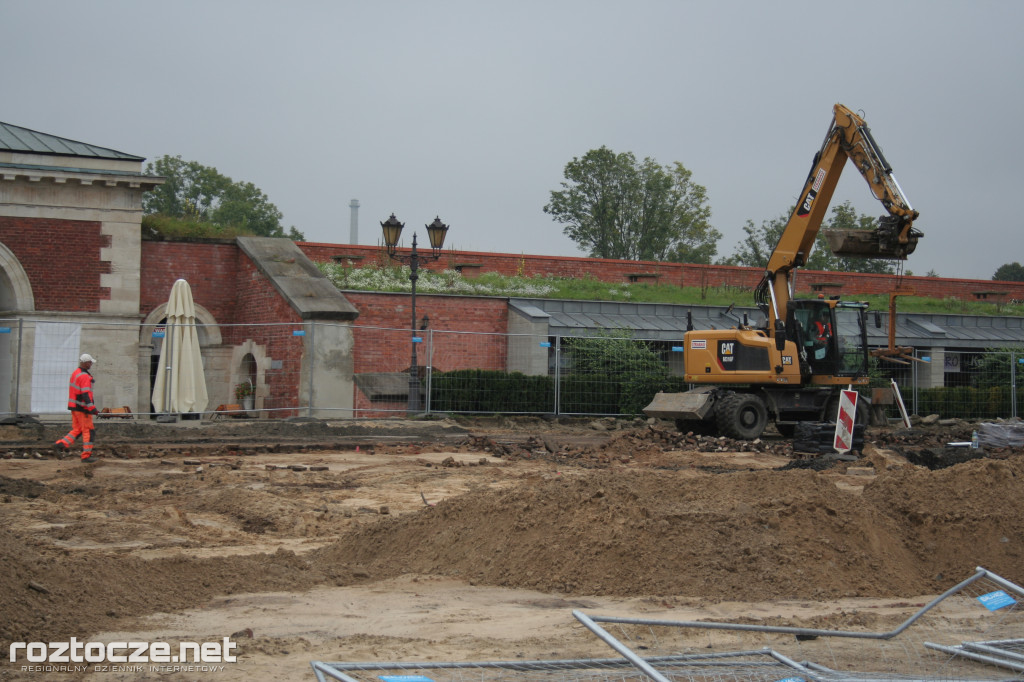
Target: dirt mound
737, 536
960, 517
45, 597
644, 512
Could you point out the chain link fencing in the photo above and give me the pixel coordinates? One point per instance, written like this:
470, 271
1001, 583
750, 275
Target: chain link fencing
325, 370
960, 384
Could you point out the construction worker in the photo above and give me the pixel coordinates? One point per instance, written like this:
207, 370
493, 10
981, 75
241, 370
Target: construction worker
822, 330
83, 407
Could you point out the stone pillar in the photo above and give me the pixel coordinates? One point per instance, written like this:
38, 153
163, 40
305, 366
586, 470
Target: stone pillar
528, 329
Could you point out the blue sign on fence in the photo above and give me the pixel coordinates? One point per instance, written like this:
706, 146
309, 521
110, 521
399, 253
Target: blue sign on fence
677, 349
298, 332
5, 330
545, 344
993, 601
417, 339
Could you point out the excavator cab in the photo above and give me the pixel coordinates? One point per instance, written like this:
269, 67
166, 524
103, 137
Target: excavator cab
830, 336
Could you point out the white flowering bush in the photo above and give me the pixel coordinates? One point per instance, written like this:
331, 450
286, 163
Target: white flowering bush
396, 278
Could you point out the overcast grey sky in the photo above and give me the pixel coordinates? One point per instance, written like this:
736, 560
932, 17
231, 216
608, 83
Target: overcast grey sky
470, 110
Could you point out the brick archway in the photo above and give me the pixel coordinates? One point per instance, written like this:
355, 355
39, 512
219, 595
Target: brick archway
15, 288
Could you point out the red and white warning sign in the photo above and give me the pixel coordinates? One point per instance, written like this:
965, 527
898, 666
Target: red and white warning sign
845, 421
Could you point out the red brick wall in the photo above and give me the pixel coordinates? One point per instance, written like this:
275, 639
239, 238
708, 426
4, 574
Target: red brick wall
211, 271
677, 274
61, 259
226, 282
259, 303
389, 349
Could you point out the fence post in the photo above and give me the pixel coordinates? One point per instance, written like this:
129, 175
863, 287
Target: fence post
558, 376
312, 362
17, 370
1013, 384
430, 367
913, 382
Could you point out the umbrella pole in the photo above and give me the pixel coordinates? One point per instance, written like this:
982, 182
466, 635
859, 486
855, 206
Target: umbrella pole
170, 373
167, 378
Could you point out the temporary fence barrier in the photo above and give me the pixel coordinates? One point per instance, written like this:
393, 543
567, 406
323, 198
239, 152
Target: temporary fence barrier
327, 370
961, 384
973, 631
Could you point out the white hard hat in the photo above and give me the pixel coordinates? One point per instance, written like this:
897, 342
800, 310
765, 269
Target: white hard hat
86, 358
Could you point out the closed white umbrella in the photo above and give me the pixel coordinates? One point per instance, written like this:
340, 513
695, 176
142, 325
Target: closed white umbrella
180, 384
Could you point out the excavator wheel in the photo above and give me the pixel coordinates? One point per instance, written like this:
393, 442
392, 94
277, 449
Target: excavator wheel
742, 416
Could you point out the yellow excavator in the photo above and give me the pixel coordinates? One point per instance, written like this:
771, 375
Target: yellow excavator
791, 368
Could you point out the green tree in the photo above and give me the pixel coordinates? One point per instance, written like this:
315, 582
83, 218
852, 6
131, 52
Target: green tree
613, 206
1010, 272
200, 194
190, 190
630, 371
756, 248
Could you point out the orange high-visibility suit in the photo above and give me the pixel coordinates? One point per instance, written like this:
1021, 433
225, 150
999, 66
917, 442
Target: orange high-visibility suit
83, 407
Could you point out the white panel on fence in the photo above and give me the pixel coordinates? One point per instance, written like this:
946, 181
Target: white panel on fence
54, 359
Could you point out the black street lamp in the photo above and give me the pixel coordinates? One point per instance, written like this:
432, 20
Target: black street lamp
436, 232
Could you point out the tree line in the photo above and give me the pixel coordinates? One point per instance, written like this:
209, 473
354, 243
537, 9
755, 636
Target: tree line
198, 200
614, 206
610, 204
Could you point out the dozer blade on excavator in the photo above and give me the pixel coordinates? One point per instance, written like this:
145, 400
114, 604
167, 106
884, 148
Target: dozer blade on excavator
693, 405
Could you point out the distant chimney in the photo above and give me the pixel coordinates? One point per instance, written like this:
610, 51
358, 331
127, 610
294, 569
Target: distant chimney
353, 237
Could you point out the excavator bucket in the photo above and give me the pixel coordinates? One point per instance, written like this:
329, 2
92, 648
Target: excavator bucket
878, 243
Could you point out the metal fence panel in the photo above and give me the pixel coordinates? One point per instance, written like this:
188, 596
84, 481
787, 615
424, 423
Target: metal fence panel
960, 384
973, 631
321, 369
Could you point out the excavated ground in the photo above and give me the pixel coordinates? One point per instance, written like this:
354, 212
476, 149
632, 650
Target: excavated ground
472, 539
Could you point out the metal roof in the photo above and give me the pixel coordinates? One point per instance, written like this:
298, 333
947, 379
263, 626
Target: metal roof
17, 139
667, 322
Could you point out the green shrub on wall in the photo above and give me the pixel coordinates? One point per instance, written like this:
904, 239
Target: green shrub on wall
488, 391
967, 402
479, 390
588, 394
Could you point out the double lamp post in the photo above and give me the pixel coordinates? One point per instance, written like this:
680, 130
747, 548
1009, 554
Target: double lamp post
436, 232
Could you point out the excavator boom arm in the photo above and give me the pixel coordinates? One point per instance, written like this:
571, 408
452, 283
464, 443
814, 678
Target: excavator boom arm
848, 139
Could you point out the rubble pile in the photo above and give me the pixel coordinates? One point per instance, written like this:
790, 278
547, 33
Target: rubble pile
624, 447
927, 444
937, 443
